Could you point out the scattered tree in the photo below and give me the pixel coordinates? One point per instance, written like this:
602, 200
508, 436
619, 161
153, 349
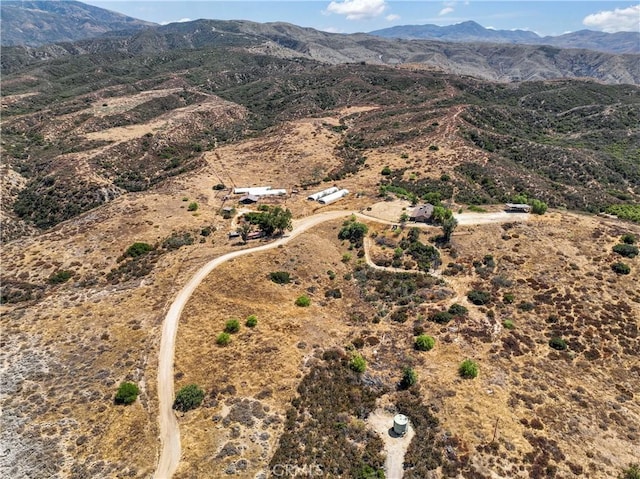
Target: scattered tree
386, 171
127, 393
223, 339
138, 249
457, 310
631, 472
357, 363
303, 301
424, 343
441, 317
409, 378
621, 268
626, 250
478, 297
280, 277
629, 239
60, 276
243, 230
353, 231
232, 326
272, 220
538, 207
252, 321
448, 226
558, 343
189, 397
468, 369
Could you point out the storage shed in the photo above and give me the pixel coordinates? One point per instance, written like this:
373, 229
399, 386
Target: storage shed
325, 200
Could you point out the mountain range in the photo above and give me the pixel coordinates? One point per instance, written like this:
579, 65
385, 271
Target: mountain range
35, 23
620, 42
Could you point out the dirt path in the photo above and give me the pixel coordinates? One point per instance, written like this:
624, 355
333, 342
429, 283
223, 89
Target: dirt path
395, 446
169, 430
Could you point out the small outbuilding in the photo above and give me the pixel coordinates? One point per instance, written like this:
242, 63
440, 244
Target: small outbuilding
400, 424
422, 213
517, 208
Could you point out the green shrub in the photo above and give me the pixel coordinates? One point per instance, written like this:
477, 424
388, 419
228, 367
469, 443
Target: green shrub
409, 378
303, 301
508, 298
538, 207
138, 249
433, 148
223, 339
280, 277
508, 324
127, 393
232, 326
59, 277
631, 472
346, 257
331, 274
468, 369
386, 171
252, 321
457, 310
219, 186
558, 343
441, 317
357, 363
478, 297
193, 206
189, 397
526, 306
626, 250
629, 239
424, 343
621, 268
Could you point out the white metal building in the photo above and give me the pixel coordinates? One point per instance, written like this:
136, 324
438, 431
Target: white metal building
325, 200
253, 190
322, 194
271, 192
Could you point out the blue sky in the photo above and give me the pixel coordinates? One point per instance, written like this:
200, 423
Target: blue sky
347, 16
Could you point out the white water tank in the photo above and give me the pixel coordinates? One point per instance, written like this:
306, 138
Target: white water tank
400, 424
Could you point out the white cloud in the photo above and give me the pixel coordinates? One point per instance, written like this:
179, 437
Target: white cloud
358, 9
446, 11
331, 30
392, 17
182, 20
618, 20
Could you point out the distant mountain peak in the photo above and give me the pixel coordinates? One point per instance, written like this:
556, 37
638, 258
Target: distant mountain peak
470, 31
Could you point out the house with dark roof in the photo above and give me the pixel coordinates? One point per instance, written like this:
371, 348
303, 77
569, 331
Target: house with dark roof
422, 213
248, 199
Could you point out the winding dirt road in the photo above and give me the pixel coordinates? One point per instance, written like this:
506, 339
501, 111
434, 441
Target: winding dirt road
169, 430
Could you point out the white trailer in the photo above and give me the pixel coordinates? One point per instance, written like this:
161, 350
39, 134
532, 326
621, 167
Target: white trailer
333, 197
322, 194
